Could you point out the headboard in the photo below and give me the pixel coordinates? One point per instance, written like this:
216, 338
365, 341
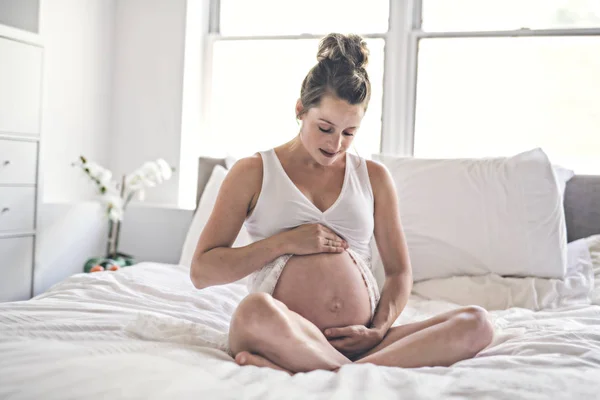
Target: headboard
582, 206
582, 199
205, 167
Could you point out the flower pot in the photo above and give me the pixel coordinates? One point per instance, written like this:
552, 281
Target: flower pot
121, 260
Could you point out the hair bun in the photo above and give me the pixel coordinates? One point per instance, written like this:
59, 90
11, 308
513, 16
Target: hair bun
339, 48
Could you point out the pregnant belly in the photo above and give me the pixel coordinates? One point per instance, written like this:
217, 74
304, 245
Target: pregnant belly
327, 289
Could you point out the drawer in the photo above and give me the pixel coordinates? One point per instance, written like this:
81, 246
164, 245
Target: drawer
20, 80
16, 263
17, 207
17, 162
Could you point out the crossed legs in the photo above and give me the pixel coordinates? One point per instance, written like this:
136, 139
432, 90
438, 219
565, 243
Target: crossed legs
264, 332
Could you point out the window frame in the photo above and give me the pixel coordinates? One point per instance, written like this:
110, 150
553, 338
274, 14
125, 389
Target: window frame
214, 36
416, 34
400, 73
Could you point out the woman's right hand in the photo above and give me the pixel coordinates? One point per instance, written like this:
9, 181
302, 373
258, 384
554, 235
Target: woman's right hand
313, 239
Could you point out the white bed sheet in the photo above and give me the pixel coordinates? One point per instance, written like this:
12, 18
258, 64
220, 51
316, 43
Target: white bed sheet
146, 333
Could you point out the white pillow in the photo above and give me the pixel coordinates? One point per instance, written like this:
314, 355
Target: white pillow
500, 215
205, 207
562, 175
594, 246
494, 292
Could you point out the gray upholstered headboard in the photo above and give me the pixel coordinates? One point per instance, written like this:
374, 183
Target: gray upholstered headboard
582, 206
205, 167
582, 199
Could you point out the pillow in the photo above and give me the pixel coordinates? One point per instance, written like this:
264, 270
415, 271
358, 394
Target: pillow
562, 175
501, 215
203, 211
494, 292
593, 243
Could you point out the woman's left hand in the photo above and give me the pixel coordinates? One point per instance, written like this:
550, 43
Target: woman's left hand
354, 339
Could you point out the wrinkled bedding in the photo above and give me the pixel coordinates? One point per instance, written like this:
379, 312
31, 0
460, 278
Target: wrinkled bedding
145, 332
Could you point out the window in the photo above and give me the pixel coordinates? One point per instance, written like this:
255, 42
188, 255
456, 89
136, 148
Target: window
496, 77
499, 15
260, 53
277, 17
463, 78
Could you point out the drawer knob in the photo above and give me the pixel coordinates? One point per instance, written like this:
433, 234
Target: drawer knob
5, 210
5, 163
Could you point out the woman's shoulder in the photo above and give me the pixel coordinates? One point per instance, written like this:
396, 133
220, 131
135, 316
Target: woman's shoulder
247, 168
374, 168
379, 175
247, 178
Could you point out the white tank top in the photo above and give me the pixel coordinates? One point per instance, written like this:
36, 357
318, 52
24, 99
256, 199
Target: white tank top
282, 206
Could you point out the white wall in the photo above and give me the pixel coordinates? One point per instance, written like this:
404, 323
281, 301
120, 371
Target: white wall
156, 113
155, 234
68, 235
78, 38
113, 89
147, 88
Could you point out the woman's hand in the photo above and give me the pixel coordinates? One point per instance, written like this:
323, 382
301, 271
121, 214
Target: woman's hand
313, 239
354, 339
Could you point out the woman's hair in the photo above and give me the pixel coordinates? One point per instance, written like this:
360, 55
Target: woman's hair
340, 71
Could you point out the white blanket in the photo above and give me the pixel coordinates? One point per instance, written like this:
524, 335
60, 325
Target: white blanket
145, 332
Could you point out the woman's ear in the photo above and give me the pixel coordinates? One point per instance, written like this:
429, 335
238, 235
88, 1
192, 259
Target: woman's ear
299, 109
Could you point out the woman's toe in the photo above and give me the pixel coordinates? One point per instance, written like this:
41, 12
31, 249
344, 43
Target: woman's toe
242, 357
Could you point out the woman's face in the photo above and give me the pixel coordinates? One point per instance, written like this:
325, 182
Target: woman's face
328, 130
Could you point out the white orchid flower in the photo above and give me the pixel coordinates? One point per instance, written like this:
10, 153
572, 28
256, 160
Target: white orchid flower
112, 199
134, 181
152, 173
115, 198
105, 177
165, 169
115, 214
93, 168
114, 203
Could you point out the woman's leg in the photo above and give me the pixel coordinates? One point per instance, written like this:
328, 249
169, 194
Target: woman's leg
438, 341
247, 358
264, 326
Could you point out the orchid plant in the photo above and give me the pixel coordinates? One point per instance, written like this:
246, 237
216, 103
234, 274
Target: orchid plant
116, 196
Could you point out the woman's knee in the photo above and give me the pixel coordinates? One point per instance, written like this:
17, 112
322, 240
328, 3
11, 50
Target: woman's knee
255, 310
476, 330
256, 314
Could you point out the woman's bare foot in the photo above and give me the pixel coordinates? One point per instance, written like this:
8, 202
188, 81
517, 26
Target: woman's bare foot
247, 358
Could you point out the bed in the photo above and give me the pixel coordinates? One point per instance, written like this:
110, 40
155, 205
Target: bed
146, 332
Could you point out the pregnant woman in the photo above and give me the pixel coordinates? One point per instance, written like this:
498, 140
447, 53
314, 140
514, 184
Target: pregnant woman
312, 209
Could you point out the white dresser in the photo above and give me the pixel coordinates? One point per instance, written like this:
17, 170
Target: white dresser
21, 58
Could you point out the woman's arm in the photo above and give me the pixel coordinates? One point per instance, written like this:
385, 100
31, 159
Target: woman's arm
392, 247
214, 261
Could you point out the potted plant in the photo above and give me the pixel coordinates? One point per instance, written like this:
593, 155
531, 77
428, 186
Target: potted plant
115, 197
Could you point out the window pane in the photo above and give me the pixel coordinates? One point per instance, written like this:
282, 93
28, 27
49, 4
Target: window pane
277, 17
499, 96
486, 15
255, 86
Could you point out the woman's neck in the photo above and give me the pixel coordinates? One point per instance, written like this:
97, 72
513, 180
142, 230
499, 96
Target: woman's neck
297, 155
